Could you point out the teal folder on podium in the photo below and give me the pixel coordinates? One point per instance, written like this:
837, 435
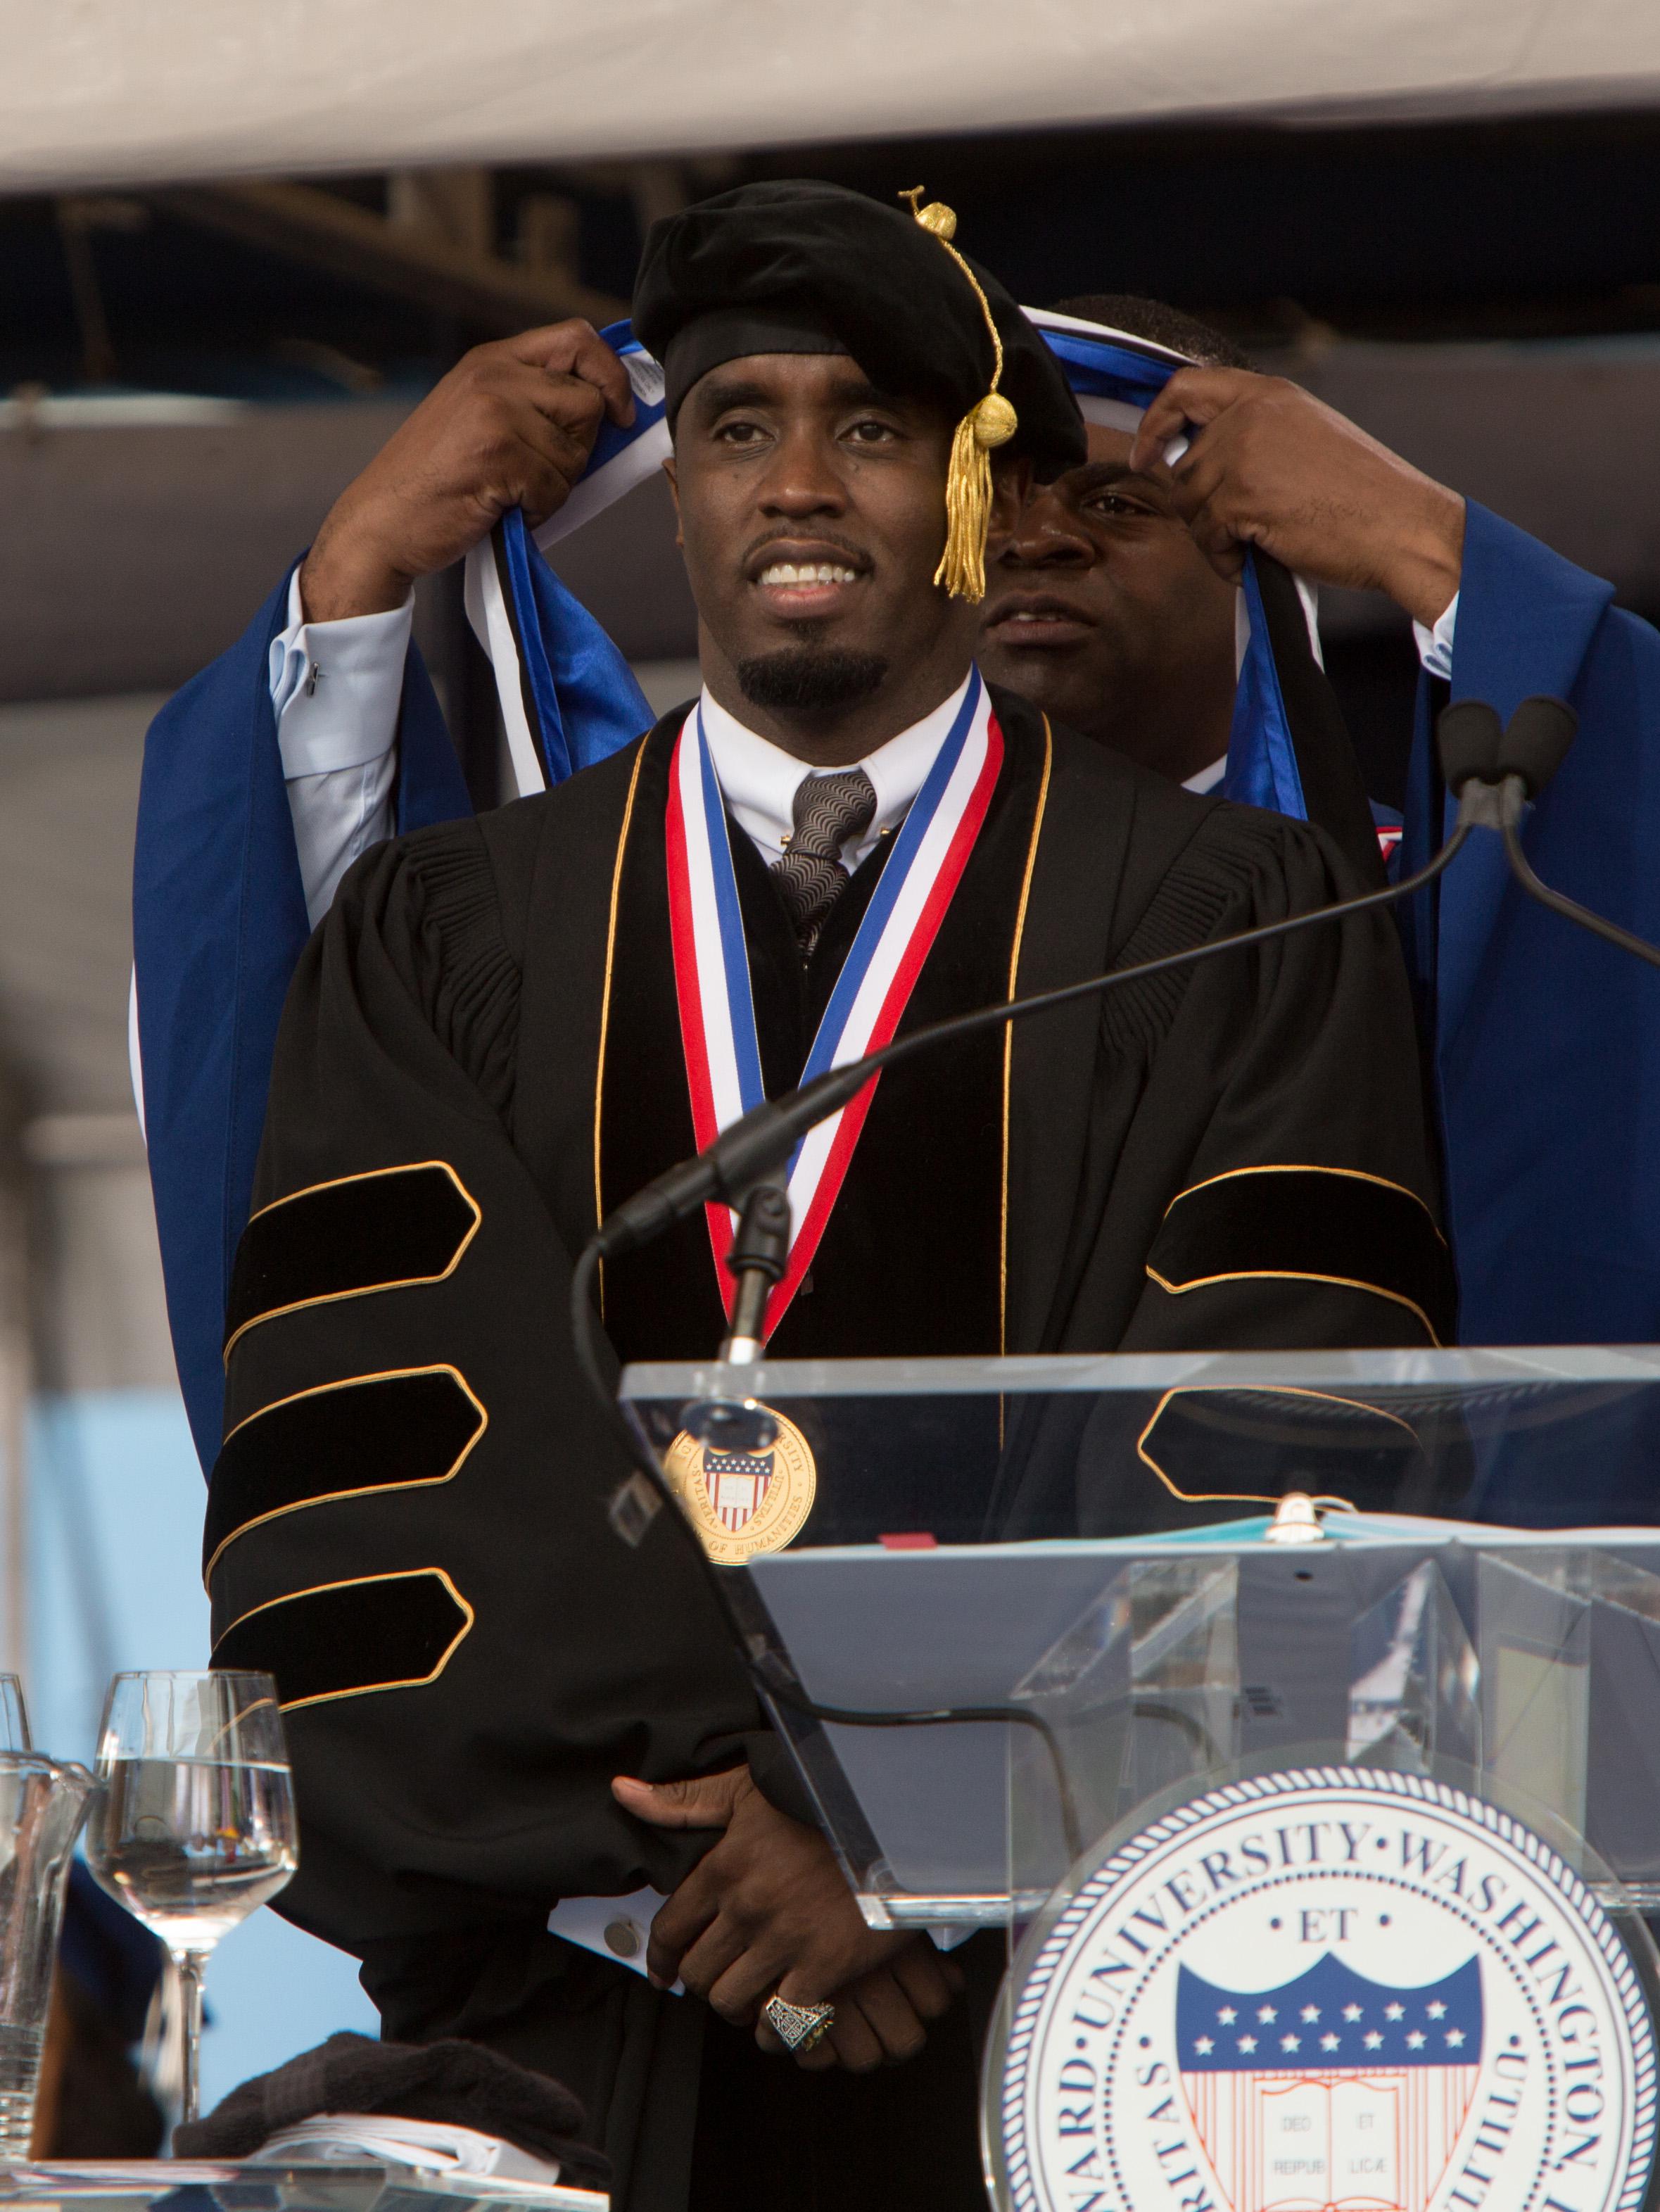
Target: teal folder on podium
1025, 1621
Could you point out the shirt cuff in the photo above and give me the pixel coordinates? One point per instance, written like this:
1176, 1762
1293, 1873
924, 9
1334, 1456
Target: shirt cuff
1435, 645
337, 687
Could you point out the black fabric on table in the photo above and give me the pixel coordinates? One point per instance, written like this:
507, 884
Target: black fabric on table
455, 2083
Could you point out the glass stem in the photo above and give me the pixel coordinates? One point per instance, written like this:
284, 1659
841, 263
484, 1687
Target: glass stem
190, 1965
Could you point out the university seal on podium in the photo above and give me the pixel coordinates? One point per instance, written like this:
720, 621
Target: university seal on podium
1340, 1990
742, 1503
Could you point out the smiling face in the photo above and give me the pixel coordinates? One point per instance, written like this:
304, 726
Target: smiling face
1101, 610
812, 517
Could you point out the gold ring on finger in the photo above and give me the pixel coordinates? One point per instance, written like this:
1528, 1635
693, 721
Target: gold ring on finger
800, 2027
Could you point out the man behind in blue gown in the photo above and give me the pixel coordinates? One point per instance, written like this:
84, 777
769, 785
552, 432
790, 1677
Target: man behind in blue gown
1545, 1044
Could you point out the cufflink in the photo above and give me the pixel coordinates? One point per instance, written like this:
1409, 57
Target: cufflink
623, 1938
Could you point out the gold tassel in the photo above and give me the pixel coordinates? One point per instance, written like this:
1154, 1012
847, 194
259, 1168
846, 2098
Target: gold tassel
991, 422
962, 568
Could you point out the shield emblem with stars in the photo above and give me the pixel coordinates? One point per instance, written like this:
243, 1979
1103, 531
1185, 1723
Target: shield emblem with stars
742, 1503
736, 1482
1332, 2093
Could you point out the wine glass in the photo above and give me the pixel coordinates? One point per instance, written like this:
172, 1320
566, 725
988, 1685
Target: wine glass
194, 1826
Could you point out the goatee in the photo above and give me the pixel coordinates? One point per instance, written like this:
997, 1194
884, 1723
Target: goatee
805, 679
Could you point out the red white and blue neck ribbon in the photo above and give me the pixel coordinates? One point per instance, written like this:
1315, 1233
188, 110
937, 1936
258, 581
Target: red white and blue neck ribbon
712, 971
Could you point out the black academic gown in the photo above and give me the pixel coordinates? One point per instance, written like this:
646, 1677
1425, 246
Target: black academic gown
407, 1524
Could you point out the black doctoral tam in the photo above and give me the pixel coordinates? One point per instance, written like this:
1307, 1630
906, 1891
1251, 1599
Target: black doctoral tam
805, 267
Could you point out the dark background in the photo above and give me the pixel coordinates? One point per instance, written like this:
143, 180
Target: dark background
1519, 228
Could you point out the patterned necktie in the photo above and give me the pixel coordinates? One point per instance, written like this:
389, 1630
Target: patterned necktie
829, 812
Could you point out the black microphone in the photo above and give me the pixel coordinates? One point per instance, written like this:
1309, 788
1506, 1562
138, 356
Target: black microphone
1481, 761
1467, 736
1492, 770
1536, 742
760, 1253
1496, 773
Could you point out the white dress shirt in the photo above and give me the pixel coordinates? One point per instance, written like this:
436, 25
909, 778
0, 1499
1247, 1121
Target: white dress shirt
759, 780
337, 688
1207, 778
1435, 645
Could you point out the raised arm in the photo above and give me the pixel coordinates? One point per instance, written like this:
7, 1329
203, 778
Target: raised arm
1269, 464
315, 736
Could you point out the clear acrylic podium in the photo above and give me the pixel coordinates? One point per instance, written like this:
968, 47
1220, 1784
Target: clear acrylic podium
1076, 1552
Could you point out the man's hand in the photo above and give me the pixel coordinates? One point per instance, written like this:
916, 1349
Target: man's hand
767, 1910
512, 425
1271, 466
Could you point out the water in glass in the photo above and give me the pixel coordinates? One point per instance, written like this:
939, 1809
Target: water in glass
191, 1846
194, 1827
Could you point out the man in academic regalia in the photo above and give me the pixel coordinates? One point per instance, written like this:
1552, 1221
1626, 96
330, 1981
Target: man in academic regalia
1542, 1074
507, 1025
1099, 604
1116, 604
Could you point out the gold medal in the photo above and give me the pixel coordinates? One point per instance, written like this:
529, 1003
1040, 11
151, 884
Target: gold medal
742, 1503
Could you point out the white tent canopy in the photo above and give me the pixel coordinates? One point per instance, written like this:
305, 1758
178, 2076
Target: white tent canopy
103, 91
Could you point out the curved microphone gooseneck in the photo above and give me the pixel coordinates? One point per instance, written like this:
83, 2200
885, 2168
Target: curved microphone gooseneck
754, 1146
1497, 772
1529, 754
1493, 772
743, 1168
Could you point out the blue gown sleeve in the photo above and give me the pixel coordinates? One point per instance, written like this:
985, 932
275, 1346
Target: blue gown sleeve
219, 923
1545, 1042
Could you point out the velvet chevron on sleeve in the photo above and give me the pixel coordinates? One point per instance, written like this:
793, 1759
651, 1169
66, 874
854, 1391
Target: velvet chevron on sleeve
465, 1651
